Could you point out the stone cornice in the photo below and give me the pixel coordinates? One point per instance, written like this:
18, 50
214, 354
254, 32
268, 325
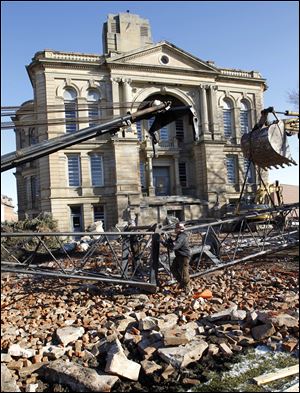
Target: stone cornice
69, 56
159, 69
73, 66
240, 73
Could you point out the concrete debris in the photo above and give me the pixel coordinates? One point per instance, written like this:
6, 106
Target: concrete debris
54, 352
69, 334
149, 367
8, 383
18, 351
117, 363
93, 342
183, 355
262, 331
32, 387
78, 378
223, 315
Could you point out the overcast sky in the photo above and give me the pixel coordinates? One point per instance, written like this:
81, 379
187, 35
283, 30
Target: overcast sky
247, 35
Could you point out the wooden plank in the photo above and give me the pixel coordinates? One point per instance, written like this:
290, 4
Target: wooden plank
293, 388
285, 372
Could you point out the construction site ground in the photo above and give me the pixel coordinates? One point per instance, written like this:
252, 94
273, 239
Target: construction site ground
119, 330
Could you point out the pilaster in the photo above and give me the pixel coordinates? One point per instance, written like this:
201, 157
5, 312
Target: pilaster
150, 176
204, 110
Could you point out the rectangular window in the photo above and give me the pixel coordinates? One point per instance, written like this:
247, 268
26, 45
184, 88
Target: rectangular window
142, 174
94, 115
182, 174
71, 116
74, 170
251, 171
164, 134
97, 170
139, 130
179, 130
231, 169
98, 213
244, 122
227, 119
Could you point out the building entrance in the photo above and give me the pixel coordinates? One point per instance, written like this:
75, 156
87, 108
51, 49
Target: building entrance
161, 180
76, 219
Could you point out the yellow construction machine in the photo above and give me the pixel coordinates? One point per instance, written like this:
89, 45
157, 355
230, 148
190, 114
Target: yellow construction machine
266, 146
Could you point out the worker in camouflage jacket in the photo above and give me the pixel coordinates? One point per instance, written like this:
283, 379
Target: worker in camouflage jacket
180, 265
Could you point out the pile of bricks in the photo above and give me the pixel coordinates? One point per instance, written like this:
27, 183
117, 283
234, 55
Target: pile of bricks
96, 339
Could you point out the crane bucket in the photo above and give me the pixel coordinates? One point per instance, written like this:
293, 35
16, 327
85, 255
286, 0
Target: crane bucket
268, 146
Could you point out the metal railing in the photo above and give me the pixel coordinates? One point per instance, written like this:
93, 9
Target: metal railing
137, 257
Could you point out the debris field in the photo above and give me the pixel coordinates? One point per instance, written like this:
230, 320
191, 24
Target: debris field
94, 337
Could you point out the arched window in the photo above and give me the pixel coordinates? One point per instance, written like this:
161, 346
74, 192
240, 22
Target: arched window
228, 119
70, 110
93, 99
244, 117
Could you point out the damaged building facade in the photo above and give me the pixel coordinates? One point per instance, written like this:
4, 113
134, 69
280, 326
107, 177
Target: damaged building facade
115, 177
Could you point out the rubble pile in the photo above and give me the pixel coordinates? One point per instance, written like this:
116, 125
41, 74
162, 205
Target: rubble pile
92, 338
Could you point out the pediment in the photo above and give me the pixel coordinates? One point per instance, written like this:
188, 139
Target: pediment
163, 55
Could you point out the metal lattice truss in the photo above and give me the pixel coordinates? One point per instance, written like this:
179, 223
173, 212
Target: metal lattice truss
137, 256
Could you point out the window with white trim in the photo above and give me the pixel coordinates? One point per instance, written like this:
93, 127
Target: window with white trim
182, 174
70, 110
74, 176
231, 166
97, 176
93, 100
244, 118
228, 119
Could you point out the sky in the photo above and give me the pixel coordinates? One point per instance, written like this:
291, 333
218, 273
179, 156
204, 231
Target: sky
247, 35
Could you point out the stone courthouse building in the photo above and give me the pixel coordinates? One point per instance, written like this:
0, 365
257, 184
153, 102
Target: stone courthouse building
112, 177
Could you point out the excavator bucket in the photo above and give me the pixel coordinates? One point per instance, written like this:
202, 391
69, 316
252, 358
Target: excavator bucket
268, 147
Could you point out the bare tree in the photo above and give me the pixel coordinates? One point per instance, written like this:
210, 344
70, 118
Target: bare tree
293, 98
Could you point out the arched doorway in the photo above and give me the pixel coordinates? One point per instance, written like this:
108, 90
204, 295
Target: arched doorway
171, 172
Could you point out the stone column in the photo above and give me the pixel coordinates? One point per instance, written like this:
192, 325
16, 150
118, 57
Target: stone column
127, 94
213, 109
150, 176
116, 94
204, 112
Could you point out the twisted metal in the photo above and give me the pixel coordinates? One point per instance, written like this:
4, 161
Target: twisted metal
137, 256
